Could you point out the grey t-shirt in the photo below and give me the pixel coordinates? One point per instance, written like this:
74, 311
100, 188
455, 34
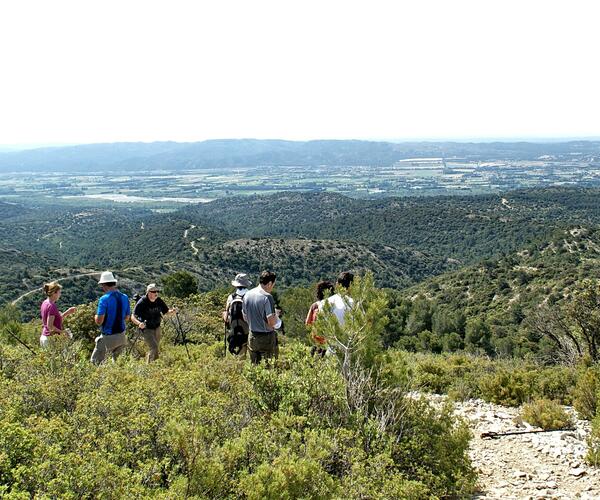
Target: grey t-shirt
258, 305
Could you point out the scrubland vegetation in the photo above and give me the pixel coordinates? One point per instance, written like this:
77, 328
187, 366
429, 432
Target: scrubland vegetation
198, 424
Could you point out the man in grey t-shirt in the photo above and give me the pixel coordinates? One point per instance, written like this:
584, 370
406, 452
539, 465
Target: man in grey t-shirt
259, 312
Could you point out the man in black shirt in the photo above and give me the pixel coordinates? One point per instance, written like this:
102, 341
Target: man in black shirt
147, 315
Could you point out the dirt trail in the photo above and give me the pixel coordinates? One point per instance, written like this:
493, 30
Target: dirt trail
527, 466
60, 280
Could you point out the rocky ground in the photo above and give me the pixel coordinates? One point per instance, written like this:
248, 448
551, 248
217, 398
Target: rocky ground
527, 466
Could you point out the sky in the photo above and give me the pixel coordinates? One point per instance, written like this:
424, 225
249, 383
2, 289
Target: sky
84, 71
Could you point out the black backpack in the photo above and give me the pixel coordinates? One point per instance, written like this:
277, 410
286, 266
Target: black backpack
237, 331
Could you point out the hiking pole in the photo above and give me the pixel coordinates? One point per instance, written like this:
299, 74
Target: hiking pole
14, 336
180, 331
498, 435
135, 337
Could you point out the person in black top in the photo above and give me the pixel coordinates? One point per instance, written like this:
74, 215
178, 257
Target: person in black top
147, 315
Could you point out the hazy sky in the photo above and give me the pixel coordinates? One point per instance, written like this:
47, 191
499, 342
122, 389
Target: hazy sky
98, 71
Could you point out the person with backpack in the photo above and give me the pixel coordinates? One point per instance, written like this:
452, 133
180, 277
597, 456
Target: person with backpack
147, 315
236, 327
112, 313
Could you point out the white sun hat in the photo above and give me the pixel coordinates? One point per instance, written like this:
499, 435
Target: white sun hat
107, 277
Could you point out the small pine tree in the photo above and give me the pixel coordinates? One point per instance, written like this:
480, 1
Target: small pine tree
357, 343
180, 284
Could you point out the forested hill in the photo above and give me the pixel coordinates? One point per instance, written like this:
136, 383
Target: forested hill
464, 228
252, 152
303, 237
492, 306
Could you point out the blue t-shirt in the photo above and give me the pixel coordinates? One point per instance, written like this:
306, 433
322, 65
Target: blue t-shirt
107, 305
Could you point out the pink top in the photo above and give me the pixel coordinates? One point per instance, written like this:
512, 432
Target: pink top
50, 309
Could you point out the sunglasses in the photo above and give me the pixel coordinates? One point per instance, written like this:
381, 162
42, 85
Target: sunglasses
153, 291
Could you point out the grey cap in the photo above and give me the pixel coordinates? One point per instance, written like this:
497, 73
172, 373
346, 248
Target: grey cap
152, 288
241, 280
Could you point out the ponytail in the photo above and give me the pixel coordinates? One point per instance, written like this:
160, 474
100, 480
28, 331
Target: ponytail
52, 287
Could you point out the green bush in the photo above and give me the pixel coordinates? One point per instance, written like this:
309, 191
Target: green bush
547, 414
209, 426
508, 388
433, 375
180, 284
214, 427
593, 456
288, 477
556, 383
585, 397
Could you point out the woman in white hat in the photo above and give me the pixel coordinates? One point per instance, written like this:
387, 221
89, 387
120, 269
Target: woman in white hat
52, 318
147, 315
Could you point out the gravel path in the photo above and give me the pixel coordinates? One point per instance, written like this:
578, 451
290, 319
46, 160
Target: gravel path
527, 466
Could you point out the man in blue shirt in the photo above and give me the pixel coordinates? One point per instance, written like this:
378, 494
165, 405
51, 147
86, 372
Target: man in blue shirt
113, 311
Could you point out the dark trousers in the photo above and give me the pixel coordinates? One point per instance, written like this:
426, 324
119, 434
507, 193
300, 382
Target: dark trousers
262, 346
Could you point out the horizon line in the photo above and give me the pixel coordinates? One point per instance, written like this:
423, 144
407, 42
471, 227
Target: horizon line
466, 139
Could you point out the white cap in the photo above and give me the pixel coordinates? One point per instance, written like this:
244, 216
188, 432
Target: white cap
107, 277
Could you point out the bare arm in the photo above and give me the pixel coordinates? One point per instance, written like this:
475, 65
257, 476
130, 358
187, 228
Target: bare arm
272, 320
69, 311
99, 319
50, 325
311, 316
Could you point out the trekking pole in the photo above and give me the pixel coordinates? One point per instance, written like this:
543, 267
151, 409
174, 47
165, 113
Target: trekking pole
180, 331
14, 336
135, 337
498, 435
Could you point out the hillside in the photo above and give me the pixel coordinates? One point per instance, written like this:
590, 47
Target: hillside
303, 237
497, 297
252, 152
466, 228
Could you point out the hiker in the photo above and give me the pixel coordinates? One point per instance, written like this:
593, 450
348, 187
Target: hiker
320, 341
147, 315
279, 328
259, 311
236, 327
52, 318
341, 303
112, 313
322, 287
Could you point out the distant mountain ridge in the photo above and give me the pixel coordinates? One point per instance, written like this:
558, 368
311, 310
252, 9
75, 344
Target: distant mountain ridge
223, 153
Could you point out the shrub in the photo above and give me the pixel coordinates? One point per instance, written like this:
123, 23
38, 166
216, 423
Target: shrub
508, 388
180, 284
556, 383
547, 414
288, 477
432, 375
585, 394
208, 426
593, 456
432, 448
